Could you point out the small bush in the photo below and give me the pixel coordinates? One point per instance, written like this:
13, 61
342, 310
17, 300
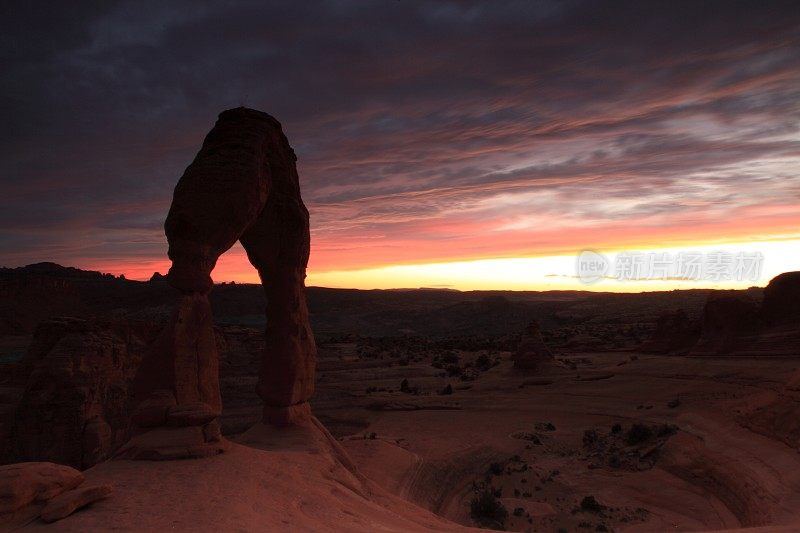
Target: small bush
450, 358
616, 428
404, 386
487, 511
614, 461
638, 434
591, 505
496, 468
447, 390
483, 362
519, 511
454, 370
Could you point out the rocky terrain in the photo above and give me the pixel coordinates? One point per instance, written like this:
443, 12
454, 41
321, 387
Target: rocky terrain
451, 424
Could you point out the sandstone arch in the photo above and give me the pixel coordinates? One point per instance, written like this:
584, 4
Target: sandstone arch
242, 186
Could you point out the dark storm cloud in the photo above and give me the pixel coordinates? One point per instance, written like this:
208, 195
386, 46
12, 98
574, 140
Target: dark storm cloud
404, 114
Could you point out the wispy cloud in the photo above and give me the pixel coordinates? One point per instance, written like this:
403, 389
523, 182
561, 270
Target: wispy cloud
425, 131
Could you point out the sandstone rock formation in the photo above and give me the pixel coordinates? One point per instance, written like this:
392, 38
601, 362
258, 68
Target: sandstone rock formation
75, 408
735, 323
675, 333
532, 354
730, 320
243, 185
68, 502
46, 490
22, 484
782, 299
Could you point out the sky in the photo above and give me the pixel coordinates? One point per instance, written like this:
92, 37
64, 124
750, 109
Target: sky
440, 143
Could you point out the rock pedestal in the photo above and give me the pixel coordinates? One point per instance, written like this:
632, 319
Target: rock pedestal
242, 185
532, 353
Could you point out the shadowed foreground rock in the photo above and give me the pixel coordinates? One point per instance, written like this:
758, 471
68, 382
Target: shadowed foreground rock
75, 407
242, 186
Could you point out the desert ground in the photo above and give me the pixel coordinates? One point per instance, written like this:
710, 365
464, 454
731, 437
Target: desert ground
420, 431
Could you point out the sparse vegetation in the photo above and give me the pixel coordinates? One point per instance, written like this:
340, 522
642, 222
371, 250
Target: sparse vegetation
638, 434
590, 504
496, 469
483, 362
487, 511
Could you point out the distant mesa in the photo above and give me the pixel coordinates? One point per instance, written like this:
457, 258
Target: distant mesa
782, 299
736, 323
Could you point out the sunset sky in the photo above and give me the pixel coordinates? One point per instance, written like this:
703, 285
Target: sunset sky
454, 143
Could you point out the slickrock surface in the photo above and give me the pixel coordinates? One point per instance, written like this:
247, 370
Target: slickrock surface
22, 484
68, 502
289, 479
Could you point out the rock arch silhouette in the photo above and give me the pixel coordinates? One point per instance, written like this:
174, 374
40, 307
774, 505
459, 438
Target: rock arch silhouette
242, 186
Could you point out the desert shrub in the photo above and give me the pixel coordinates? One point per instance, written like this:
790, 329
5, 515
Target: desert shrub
614, 461
450, 358
487, 511
666, 430
454, 370
616, 428
447, 390
638, 434
496, 468
483, 362
468, 376
519, 511
591, 505
404, 386
589, 437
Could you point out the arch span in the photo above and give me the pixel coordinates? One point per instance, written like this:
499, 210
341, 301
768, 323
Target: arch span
242, 186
